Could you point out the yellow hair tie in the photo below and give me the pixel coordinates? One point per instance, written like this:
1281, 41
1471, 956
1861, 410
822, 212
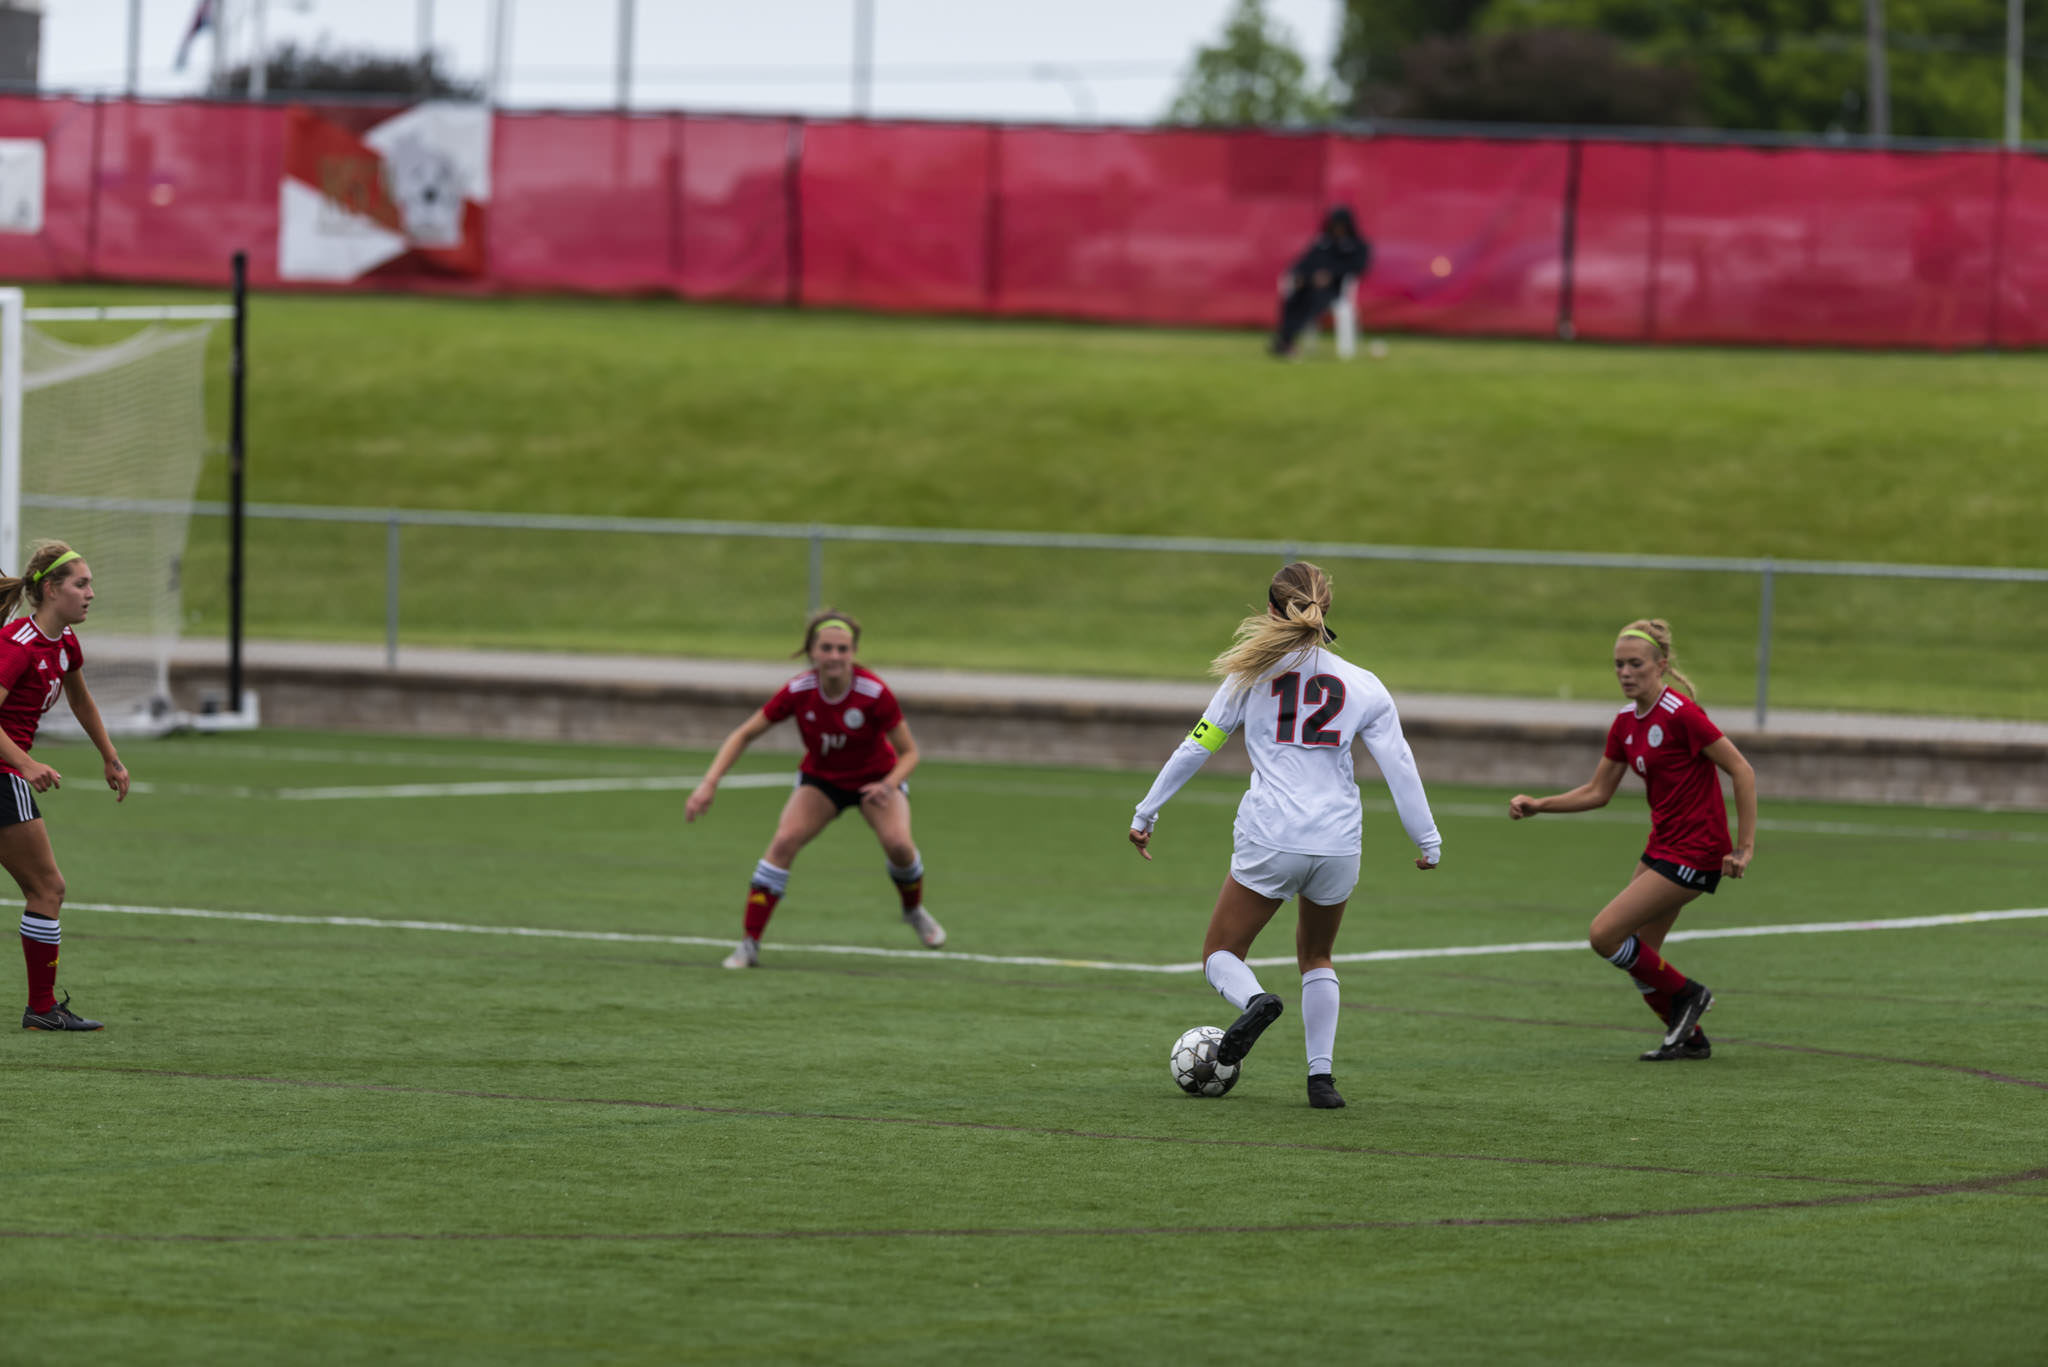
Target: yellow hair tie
67, 556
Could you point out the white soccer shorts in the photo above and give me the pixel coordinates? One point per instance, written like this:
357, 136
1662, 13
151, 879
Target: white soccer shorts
1325, 879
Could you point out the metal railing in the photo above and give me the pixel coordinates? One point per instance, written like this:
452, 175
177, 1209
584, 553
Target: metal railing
816, 535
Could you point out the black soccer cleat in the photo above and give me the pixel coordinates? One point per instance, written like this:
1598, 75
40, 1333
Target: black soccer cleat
1260, 1012
1695, 1048
1322, 1093
1692, 1002
58, 1017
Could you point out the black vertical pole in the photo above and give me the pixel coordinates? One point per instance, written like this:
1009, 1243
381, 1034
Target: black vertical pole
1568, 248
238, 373
793, 214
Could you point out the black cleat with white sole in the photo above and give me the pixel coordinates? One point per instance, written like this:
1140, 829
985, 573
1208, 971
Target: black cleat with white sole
1260, 1012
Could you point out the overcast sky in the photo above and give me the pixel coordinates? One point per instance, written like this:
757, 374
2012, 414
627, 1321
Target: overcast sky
1110, 60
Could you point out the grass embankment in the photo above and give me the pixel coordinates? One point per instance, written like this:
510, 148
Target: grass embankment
661, 410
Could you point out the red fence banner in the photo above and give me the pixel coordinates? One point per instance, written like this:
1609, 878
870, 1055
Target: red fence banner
1630, 241
1468, 236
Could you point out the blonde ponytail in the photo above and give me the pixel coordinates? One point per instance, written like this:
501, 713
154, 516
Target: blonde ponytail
1298, 599
31, 583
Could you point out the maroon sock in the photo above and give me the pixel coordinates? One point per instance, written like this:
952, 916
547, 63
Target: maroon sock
39, 938
1659, 1002
912, 894
1644, 964
760, 906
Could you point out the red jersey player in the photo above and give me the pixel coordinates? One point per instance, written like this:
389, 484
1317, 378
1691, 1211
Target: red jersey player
857, 753
1670, 741
39, 658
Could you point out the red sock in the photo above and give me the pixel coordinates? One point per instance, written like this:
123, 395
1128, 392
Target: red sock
1659, 1002
39, 952
912, 894
1650, 969
760, 906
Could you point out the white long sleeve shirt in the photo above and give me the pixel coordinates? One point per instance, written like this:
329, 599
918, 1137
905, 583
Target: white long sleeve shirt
1299, 723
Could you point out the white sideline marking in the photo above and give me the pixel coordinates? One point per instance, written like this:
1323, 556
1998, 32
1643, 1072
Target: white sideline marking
1036, 961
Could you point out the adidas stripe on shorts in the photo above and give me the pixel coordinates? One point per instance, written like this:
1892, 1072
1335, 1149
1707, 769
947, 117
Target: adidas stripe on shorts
17, 801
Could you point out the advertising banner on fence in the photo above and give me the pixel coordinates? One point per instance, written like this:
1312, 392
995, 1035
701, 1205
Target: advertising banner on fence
21, 185
369, 192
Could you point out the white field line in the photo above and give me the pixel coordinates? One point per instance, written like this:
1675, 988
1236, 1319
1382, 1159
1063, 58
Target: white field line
1036, 961
487, 788
674, 782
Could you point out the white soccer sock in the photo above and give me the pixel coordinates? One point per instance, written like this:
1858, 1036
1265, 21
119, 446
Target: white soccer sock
766, 875
1319, 1006
1232, 977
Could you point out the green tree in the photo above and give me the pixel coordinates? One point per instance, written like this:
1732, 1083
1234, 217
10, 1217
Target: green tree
1786, 65
294, 70
1254, 75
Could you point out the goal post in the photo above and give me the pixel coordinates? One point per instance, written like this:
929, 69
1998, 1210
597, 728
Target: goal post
101, 446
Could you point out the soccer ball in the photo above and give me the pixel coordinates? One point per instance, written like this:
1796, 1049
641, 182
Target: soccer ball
1195, 1069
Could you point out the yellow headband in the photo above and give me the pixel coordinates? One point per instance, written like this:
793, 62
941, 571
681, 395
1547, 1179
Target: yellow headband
38, 575
841, 623
1631, 631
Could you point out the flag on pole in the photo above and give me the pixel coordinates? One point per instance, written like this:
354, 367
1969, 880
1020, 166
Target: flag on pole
202, 18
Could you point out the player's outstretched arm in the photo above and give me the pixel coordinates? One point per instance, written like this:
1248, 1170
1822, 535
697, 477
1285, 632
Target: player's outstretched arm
1180, 766
88, 714
1595, 792
743, 735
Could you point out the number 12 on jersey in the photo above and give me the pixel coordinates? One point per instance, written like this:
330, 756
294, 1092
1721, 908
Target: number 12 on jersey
1324, 692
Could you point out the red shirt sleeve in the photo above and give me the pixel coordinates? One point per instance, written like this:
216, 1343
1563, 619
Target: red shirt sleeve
12, 663
888, 712
781, 707
1614, 750
1700, 731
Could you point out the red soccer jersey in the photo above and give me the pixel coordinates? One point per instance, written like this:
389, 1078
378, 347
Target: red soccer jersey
32, 670
1688, 817
846, 741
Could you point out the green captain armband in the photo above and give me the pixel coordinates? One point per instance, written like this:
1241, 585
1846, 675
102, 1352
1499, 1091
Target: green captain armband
1209, 737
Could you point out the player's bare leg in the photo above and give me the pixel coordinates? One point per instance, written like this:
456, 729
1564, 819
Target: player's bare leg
26, 855
1629, 933
887, 812
1239, 916
806, 813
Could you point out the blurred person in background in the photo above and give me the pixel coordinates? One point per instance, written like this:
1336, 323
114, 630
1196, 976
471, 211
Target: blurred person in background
1339, 255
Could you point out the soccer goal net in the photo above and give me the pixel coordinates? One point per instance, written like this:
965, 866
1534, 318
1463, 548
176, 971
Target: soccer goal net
101, 443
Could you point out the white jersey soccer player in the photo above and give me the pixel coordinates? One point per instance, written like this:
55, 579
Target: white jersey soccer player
1300, 826
1298, 727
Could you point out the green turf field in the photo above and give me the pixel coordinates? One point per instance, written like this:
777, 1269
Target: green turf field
543, 1126
663, 410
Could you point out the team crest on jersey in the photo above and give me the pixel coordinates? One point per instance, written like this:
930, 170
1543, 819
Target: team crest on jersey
1656, 736
854, 717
